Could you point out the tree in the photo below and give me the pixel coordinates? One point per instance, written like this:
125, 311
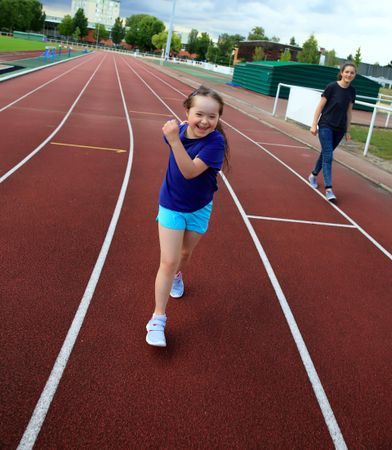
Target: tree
118, 31
331, 59
203, 44
310, 53
258, 54
350, 57
286, 55
76, 34
159, 40
357, 57
212, 54
142, 28
80, 21
65, 27
100, 33
226, 44
21, 15
38, 16
257, 34
132, 23
192, 41
24, 15
292, 41
8, 15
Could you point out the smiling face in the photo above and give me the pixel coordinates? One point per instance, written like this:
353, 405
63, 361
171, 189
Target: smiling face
348, 74
202, 116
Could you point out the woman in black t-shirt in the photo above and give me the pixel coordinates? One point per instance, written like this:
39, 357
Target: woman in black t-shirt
333, 117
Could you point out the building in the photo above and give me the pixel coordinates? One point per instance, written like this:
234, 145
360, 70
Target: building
272, 50
104, 12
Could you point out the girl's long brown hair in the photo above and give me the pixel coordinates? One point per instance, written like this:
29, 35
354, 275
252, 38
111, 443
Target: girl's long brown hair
207, 92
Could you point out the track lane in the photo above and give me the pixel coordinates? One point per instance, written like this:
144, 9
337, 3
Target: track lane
50, 106
208, 348
50, 243
364, 272
15, 90
112, 423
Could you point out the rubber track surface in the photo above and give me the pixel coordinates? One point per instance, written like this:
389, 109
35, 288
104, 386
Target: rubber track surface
231, 376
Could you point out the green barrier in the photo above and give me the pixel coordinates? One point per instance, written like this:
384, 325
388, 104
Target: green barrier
30, 36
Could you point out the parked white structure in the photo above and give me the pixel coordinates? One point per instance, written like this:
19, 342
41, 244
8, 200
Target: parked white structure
104, 12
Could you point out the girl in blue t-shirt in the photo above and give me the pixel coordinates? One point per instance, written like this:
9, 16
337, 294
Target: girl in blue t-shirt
333, 117
198, 151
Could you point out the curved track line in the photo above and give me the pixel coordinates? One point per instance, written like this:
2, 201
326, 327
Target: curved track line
40, 87
36, 69
37, 149
318, 389
346, 216
38, 417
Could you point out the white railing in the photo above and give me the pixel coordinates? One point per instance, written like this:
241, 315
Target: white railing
372, 121
381, 97
376, 107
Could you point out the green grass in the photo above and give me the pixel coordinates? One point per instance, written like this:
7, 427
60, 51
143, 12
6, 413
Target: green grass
380, 143
386, 91
9, 44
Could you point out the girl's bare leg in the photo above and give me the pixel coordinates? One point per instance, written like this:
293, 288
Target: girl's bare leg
191, 239
171, 243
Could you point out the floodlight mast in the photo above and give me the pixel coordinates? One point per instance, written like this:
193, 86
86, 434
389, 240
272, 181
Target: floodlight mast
169, 35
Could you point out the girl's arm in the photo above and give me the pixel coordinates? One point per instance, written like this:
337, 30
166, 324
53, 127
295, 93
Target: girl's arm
349, 115
319, 108
190, 168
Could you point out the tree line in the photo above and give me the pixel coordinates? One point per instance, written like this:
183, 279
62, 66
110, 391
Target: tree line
21, 15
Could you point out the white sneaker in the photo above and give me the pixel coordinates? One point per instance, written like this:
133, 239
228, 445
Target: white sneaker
156, 332
330, 196
177, 289
313, 181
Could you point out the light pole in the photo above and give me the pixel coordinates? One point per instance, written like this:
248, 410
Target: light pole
169, 35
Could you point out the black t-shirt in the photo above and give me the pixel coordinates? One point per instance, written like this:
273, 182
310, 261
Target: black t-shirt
334, 113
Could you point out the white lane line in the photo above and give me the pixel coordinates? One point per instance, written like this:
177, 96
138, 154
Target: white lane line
37, 419
346, 216
310, 222
37, 149
40, 87
318, 389
282, 145
325, 407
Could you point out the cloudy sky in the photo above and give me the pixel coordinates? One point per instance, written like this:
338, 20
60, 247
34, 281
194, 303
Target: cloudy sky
342, 25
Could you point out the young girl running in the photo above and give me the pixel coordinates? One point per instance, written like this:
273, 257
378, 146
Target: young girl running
198, 150
333, 116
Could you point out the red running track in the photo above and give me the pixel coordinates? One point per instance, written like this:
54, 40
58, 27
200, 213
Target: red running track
232, 375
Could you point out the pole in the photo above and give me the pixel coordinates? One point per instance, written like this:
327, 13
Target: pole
97, 27
369, 136
169, 36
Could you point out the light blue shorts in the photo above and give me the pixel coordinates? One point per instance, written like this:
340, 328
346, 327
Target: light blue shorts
195, 221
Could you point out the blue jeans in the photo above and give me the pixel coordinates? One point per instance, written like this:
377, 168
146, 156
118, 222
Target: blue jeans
329, 140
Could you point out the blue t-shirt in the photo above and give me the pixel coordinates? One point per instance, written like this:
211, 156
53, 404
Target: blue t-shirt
178, 193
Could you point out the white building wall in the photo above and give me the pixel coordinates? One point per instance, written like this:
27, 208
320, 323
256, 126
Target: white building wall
104, 12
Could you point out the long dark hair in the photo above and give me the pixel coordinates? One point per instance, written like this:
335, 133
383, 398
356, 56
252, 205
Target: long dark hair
207, 92
347, 64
